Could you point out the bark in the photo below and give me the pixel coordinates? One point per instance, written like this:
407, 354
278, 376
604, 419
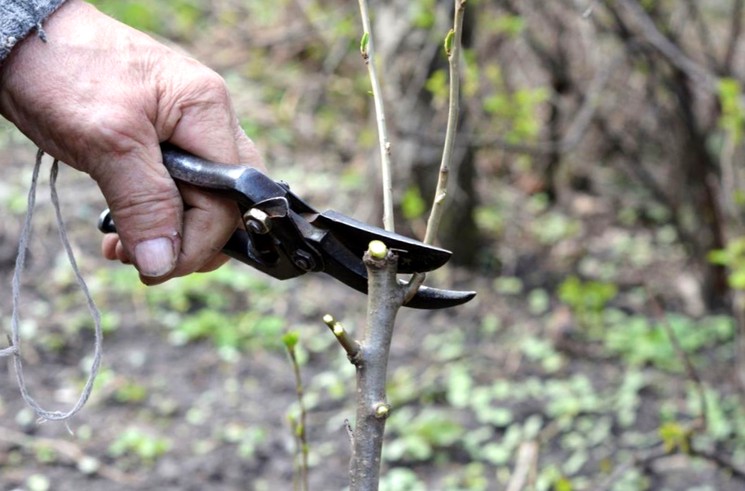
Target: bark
385, 297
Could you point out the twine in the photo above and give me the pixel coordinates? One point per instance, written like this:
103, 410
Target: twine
15, 340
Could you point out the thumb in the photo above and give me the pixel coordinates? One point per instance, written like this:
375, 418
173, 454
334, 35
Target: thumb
146, 207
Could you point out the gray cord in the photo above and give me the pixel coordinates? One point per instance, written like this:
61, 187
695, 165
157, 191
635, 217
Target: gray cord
15, 340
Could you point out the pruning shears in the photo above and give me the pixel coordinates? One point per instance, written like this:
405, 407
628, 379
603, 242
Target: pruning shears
285, 237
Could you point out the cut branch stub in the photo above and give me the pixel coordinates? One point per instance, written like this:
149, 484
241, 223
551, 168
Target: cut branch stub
377, 249
351, 346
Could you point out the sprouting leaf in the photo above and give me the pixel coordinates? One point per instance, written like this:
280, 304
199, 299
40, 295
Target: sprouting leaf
449, 42
563, 484
364, 42
675, 436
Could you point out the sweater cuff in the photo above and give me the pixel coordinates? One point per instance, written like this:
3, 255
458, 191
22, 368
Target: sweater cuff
19, 17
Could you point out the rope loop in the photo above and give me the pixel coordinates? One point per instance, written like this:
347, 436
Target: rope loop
15, 339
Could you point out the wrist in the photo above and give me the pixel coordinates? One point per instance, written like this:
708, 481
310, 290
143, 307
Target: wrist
21, 21
49, 26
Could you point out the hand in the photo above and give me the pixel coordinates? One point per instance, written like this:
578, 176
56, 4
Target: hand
100, 97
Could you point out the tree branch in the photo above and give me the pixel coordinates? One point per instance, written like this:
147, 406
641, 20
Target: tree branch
367, 48
385, 297
668, 49
453, 44
735, 33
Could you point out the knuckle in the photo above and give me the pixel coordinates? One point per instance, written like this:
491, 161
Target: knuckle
215, 86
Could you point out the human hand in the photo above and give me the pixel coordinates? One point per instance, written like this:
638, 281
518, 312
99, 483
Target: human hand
101, 97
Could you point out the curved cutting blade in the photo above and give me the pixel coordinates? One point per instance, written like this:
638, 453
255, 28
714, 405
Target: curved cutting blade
345, 266
413, 256
435, 298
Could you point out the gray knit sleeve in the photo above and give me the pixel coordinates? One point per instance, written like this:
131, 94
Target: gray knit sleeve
19, 17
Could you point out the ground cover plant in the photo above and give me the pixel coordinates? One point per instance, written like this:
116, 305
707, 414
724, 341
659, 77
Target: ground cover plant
601, 351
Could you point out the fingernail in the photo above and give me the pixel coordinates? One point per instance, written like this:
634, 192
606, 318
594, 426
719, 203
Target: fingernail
155, 257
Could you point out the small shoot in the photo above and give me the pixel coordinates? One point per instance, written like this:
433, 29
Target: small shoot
291, 340
675, 436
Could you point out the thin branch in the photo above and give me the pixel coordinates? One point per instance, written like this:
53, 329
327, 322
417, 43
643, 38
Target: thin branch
722, 462
735, 33
638, 458
576, 130
453, 48
691, 371
525, 466
644, 458
453, 44
318, 31
703, 32
298, 427
367, 48
668, 49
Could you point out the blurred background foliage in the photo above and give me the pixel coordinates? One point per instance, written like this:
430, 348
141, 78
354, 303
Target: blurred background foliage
598, 206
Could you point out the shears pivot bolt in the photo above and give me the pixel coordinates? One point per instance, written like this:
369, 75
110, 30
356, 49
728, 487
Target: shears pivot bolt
257, 221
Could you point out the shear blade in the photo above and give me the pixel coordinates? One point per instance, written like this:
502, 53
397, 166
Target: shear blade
435, 298
413, 256
344, 265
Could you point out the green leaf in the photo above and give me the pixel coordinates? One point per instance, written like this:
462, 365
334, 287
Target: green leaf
563, 484
718, 256
737, 279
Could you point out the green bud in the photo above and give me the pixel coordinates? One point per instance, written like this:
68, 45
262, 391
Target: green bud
364, 42
449, 42
382, 411
291, 339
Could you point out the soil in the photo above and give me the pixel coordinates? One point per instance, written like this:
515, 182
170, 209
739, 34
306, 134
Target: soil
226, 420
175, 413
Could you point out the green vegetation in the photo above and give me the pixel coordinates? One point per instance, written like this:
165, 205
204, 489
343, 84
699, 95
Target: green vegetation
175, 19
588, 300
561, 354
139, 445
733, 257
